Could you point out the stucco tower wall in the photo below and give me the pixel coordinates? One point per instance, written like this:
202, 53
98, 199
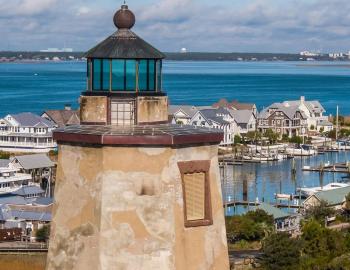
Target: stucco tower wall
122, 208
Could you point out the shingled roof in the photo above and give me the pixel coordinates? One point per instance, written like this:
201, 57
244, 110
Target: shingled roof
63, 118
124, 44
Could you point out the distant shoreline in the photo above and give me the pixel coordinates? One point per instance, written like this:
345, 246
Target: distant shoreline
8, 56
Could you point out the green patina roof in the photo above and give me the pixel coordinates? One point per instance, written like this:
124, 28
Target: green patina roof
271, 210
333, 197
124, 44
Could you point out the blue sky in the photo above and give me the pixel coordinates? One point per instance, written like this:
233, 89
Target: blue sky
198, 25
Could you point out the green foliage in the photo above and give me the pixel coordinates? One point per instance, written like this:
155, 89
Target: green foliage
43, 234
260, 216
319, 212
312, 127
296, 139
237, 139
281, 252
271, 135
321, 245
340, 263
332, 134
253, 226
285, 138
4, 155
253, 136
321, 129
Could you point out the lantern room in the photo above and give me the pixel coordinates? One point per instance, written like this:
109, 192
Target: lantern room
124, 79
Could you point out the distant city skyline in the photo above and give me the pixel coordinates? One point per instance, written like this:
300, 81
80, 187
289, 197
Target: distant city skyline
197, 25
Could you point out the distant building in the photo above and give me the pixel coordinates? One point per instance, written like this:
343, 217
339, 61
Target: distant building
56, 50
220, 119
294, 117
235, 105
336, 55
245, 120
62, 118
335, 198
182, 114
290, 121
183, 50
309, 54
26, 132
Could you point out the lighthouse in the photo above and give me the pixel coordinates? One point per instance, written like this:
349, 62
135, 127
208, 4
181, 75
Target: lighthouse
133, 191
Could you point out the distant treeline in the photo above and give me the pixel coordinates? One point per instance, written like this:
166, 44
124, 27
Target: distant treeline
189, 56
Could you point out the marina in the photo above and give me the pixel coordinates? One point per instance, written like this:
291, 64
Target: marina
249, 184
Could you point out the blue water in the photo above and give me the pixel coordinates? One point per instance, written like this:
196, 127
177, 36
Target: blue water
265, 180
36, 87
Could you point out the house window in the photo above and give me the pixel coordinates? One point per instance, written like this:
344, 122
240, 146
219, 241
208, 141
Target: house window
196, 193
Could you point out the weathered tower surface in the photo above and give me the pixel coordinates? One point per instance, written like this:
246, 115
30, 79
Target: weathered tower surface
134, 192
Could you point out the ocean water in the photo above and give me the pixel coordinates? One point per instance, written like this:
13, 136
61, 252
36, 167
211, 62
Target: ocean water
36, 87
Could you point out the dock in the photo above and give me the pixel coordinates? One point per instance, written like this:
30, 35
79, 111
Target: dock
334, 168
247, 203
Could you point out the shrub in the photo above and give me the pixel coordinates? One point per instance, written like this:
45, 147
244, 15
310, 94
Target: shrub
43, 234
281, 252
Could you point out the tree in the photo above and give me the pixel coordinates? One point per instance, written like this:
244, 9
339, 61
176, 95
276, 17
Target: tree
321, 245
296, 139
43, 234
237, 139
321, 130
281, 252
271, 135
4, 155
319, 212
312, 127
260, 216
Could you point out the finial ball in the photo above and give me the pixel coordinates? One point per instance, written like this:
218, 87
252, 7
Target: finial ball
124, 18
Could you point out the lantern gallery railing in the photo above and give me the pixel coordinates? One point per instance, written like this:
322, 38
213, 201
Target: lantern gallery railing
124, 75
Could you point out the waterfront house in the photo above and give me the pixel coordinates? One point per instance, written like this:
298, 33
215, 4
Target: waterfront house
235, 105
245, 120
290, 120
284, 222
62, 118
26, 132
312, 109
335, 198
182, 114
220, 119
39, 166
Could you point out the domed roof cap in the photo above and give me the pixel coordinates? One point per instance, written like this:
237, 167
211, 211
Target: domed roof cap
124, 18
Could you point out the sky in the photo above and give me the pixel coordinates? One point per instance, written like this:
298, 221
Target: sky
198, 25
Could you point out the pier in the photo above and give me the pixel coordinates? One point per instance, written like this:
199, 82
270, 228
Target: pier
248, 203
343, 168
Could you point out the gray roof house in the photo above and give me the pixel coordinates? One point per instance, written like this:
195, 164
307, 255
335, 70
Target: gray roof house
31, 162
245, 119
216, 119
26, 133
182, 114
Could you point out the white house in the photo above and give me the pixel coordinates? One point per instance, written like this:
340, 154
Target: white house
182, 114
245, 120
217, 119
26, 132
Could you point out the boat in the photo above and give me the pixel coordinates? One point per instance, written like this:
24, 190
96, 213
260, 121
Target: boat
302, 150
306, 192
283, 197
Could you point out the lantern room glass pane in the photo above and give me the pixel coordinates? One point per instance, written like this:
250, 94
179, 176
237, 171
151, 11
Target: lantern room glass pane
106, 74
143, 75
130, 75
97, 74
159, 75
151, 75
118, 75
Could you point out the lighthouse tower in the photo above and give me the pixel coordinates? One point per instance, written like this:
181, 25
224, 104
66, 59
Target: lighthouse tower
134, 192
